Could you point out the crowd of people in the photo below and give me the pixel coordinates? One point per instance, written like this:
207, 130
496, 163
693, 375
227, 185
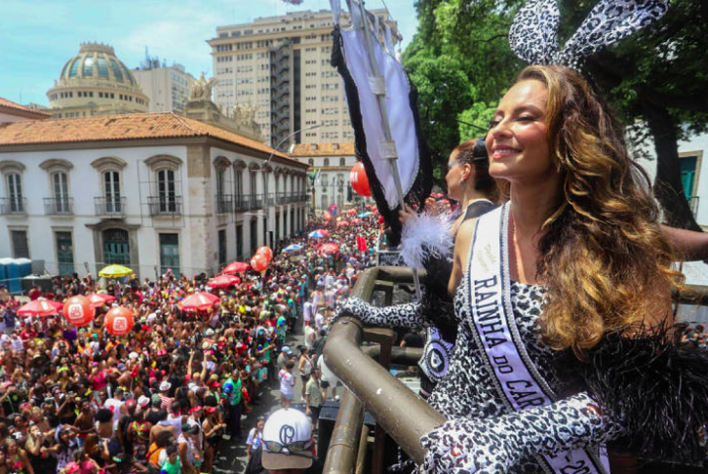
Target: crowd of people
162, 399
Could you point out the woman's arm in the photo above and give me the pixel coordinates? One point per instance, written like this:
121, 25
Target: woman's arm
409, 315
463, 241
689, 245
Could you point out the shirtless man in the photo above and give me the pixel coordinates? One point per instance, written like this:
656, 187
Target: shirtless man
84, 424
162, 426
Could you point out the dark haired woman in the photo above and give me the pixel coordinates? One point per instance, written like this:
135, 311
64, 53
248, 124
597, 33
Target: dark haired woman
427, 242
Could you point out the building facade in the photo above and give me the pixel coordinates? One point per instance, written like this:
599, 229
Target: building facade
95, 82
167, 87
281, 65
328, 174
151, 191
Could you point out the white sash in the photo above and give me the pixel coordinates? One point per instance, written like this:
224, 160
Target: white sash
516, 380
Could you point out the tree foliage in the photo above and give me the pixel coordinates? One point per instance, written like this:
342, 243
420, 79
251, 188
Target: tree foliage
656, 78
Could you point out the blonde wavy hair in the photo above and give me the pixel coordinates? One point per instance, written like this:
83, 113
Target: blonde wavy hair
603, 253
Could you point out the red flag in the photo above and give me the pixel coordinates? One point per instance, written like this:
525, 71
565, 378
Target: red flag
361, 243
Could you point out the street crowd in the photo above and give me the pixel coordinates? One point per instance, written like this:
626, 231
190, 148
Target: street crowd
166, 397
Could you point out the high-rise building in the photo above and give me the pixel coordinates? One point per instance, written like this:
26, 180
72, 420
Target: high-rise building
95, 82
167, 86
281, 65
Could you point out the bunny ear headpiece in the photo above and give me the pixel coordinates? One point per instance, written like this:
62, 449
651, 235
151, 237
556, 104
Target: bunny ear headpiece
534, 32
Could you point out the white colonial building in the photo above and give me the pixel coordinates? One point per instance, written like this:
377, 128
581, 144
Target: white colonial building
329, 167
151, 191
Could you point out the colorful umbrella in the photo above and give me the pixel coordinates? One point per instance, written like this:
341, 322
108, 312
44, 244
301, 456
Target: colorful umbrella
329, 248
236, 267
115, 271
363, 215
40, 307
356, 220
342, 223
224, 281
198, 302
99, 299
317, 234
351, 211
292, 248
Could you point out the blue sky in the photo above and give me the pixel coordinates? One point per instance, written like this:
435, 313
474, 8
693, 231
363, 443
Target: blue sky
38, 37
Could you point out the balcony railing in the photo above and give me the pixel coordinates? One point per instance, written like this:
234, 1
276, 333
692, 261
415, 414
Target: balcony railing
165, 205
59, 206
224, 203
282, 198
109, 206
242, 203
13, 206
255, 202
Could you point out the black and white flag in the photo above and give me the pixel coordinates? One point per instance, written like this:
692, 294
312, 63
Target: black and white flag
351, 58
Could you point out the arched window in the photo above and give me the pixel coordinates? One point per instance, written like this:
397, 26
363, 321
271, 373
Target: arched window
342, 162
111, 192
326, 162
311, 162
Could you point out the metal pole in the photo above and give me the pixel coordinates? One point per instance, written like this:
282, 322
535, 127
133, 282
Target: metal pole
266, 179
386, 128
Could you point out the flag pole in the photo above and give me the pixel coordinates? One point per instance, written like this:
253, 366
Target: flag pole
388, 147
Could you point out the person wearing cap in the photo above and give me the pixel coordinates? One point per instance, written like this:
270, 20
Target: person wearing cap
166, 400
285, 355
287, 443
232, 393
189, 453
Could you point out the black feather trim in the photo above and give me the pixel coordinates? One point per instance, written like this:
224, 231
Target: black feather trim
657, 388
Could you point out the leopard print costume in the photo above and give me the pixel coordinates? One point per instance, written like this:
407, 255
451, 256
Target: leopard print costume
482, 435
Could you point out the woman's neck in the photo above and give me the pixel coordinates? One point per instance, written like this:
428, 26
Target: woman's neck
471, 194
531, 206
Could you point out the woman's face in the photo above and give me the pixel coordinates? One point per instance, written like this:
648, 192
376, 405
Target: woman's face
516, 142
456, 173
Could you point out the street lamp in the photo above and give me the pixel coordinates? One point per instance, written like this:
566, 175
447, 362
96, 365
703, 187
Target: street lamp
265, 181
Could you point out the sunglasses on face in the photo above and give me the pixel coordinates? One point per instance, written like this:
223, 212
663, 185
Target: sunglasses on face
299, 448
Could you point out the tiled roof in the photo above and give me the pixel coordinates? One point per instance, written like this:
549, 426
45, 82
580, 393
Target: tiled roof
120, 127
323, 149
8, 104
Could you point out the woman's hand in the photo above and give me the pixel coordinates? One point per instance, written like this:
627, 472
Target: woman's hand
431, 207
406, 214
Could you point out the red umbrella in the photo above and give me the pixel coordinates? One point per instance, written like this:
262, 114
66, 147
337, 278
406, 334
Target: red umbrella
40, 307
356, 220
198, 302
236, 267
325, 232
351, 211
329, 248
342, 223
224, 281
99, 299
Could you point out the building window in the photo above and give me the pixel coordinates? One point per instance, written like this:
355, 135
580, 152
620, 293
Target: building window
239, 242
222, 248
60, 191
166, 191
116, 247
65, 252
14, 187
311, 162
326, 161
111, 189
169, 253
20, 246
342, 162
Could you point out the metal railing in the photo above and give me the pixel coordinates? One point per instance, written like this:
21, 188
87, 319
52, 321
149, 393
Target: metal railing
59, 206
282, 198
242, 203
255, 202
224, 203
165, 205
397, 410
109, 206
13, 206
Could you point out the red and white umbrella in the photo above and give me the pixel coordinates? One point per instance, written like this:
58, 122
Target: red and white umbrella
236, 267
198, 302
40, 307
329, 248
224, 281
99, 299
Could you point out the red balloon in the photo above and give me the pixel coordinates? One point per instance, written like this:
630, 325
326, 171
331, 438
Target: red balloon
259, 262
78, 310
359, 180
266, 251
119, 321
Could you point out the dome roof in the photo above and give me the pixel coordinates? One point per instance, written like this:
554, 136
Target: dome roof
97, 61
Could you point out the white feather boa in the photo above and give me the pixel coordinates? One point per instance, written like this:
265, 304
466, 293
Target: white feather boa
426, 236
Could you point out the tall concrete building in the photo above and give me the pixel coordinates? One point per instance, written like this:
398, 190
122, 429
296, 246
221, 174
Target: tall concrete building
281, 65
167, 86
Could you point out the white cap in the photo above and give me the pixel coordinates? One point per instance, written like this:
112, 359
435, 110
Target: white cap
286, 428
143, 401
165, 386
